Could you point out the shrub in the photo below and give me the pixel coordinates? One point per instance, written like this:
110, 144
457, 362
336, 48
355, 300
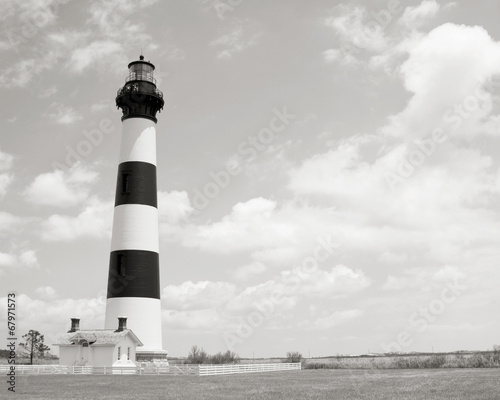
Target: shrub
199, 356
228, 357
293, 357
335, 365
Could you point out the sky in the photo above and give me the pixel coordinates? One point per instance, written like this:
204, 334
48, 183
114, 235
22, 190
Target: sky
327, 171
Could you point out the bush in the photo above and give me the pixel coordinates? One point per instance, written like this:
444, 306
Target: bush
293, 357
224, 358
335, 365
199, 356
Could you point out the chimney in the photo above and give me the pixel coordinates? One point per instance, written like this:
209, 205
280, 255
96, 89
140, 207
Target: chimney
75, 325
122, 324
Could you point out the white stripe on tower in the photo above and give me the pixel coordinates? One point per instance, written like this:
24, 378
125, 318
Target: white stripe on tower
134, 282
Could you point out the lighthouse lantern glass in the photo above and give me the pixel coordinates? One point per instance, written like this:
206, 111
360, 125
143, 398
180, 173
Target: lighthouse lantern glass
141, 72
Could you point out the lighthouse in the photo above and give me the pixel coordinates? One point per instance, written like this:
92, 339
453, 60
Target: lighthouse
134, 269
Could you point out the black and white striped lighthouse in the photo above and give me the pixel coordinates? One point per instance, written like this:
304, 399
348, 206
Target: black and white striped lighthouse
134, 271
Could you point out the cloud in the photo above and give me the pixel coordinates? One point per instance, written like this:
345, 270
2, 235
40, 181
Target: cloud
194, 320
103, 105
111, 18
299, 284
339, 281
241, 230
46, 293
395, 283
62, 114
93, 222
234, 43
447, 72
112, 26
9, 223
51, 316
48, 92
393, 258
426, 280
23, 72
62, 188
18, 261
332, 320
6, 162
174, 209
93, 54
414, 17
174, 206
250, 270
355, 32
197, 296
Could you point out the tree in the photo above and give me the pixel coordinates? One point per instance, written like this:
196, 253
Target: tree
293, 357
33, 343
197, 356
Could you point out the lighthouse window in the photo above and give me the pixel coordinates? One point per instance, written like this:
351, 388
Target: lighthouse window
121, 264
128, 353
119, 352
126, 182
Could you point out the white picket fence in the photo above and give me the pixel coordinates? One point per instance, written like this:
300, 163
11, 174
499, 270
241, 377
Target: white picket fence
222, 369
181, 369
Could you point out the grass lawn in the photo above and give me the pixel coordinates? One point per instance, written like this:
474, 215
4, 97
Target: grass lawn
425, 384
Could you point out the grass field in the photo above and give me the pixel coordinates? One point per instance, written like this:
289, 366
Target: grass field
421, 384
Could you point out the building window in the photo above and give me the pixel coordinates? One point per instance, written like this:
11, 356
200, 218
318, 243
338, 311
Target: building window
85, 344
119, 352
121, 264
126, 182
128, 353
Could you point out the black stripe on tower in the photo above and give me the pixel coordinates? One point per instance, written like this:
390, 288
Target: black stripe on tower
136, 184
134, 273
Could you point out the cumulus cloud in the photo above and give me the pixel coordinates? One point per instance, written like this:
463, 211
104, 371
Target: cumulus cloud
241, 230
339, 281
9, 223
62, 188
174, 207
414, 17
51, 316
195, 296
93, 54
18, 261
446, 72
45, 293
94, 221
426, 279
6, 161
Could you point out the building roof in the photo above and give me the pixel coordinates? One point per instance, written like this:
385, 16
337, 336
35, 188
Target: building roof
96, 337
